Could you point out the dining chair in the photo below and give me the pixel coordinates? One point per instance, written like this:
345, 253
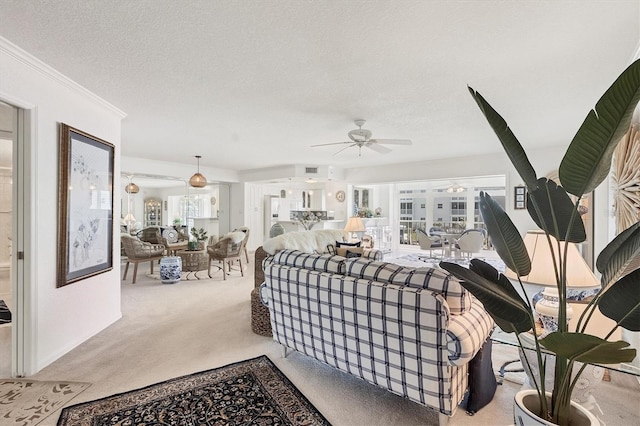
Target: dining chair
470, 241
429, 242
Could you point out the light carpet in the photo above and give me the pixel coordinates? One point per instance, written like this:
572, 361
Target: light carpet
169, 331
244, 393
29, 402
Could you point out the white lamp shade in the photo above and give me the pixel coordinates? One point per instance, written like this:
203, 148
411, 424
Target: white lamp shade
542, 271
354, 224
129, 218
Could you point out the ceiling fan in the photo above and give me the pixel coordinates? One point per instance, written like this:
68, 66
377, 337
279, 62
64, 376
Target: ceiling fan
362, 137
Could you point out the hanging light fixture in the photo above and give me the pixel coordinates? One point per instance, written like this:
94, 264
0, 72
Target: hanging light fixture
198, 180
132, 188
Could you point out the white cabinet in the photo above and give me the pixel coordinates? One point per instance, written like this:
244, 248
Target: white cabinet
152, 213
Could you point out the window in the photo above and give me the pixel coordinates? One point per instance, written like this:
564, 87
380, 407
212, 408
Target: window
406, 208
423, 206
439, 206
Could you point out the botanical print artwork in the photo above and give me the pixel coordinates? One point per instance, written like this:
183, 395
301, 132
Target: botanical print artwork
85, 225
89, 206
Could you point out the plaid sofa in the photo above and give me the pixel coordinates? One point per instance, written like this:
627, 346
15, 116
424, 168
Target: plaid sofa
412, 331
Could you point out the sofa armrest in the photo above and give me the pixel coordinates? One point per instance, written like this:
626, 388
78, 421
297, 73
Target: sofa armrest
374, 254
467, 333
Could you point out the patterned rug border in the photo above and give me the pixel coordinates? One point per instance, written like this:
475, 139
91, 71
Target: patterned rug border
207, 375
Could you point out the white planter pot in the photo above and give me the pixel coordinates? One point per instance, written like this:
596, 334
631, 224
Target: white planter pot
526, 405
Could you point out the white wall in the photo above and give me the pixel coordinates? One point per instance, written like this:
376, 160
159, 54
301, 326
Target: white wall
60, 318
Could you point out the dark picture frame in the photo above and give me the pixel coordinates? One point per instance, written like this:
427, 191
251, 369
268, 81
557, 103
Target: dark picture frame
85, 205
519, 197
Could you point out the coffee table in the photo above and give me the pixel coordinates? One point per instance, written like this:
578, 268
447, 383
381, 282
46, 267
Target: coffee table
194, 261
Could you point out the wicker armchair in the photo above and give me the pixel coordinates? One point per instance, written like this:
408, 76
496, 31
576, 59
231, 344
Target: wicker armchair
174, 240
227, 250
150, 235
245, 241
139, 251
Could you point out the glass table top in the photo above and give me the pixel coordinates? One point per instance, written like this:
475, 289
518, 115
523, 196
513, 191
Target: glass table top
499, 336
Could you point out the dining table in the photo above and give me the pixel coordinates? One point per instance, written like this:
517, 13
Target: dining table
448, 240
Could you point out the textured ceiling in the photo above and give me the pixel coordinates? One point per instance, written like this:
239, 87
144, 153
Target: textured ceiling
252, 84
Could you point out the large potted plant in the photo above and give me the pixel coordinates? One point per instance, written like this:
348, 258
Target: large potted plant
584, 166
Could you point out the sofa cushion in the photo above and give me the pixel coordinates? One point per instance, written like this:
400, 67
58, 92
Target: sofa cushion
316, 262
458, 299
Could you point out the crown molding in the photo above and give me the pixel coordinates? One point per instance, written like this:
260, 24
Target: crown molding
20, 55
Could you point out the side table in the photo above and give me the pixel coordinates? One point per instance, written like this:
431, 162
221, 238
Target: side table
194, 261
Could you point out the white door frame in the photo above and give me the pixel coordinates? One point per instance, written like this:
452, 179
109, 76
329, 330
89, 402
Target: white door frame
23, 347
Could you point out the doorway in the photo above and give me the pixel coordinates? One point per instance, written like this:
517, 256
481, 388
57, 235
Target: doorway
8, 116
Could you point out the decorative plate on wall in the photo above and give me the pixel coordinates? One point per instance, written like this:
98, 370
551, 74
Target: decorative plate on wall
213, 201
340, 195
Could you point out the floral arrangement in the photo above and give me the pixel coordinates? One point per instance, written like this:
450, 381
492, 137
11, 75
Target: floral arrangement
365, 212
308, 219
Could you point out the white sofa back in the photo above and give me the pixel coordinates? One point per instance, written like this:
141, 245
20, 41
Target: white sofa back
314, 241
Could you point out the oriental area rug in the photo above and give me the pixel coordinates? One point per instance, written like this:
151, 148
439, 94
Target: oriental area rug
251, 392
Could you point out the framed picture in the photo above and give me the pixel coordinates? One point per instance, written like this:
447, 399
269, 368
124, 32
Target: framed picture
520, 197
85, 222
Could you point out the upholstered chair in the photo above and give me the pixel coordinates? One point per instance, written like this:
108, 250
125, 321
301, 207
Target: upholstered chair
429, 242
470, 241
227, 250
139, 251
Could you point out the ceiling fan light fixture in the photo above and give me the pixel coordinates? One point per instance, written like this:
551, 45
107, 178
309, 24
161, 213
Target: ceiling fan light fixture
455, 188
362, 138
198, 180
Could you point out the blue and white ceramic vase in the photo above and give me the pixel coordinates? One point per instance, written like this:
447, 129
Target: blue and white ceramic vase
170, 269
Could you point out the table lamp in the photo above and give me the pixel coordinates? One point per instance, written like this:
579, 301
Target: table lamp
580, 278
355, 227
129, 219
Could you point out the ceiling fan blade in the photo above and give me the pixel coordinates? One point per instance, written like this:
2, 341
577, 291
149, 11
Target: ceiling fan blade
393, 141
353, 144
378, 148
334, 143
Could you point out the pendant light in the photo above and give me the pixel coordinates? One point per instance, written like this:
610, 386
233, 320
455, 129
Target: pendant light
132, 188
198, 180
